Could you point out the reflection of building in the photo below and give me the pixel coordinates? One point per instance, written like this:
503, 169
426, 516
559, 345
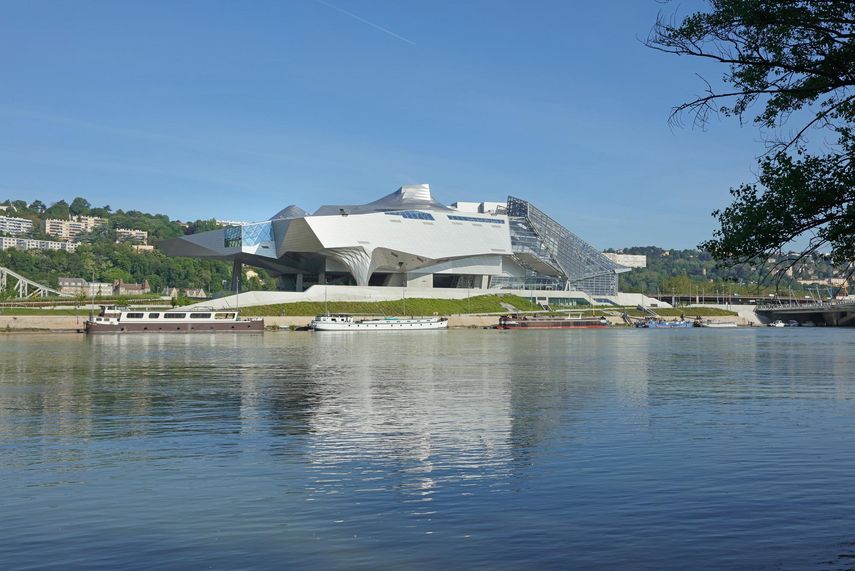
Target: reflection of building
27, 244
627, 260
68, 229
15, 226
409, 239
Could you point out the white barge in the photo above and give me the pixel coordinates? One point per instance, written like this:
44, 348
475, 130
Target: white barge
348, 323
114, 319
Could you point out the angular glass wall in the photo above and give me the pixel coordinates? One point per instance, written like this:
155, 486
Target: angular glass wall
582, 266
252, 238
255, 234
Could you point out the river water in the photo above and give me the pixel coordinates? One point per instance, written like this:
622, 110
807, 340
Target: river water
606, 449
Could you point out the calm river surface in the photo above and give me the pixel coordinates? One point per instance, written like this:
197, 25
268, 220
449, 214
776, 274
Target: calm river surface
635, 449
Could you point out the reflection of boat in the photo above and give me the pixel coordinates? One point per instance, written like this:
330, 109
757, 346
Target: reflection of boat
662, 324
113, 319
347, 323
777, 323
538, 322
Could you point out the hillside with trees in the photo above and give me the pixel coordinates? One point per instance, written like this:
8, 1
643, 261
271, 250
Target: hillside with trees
690, 271
101, 258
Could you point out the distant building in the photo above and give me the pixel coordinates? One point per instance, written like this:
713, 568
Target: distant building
195, 293
15, 226
121, 288
628, 260
77, 286
142, 247
68, 229
480, 207
28, 244
834, 282
130, 235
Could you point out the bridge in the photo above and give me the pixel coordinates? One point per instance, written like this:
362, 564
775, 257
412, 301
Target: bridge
676, 299
786, 308
25, 288
834, 312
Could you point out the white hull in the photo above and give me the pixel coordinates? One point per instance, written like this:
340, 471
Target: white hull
719, 325
326, 324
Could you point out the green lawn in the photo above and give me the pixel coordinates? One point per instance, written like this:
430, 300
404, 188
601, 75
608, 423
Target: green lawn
414, 306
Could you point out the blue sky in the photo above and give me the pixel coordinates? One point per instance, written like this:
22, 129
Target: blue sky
203, 109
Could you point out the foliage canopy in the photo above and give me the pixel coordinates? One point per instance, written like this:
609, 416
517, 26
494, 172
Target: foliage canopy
792, 61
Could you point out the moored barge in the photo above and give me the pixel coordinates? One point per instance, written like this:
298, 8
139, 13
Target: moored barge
114, 319
348, 323
537, 322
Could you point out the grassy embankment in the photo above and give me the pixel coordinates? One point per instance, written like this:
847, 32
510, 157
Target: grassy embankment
414, 306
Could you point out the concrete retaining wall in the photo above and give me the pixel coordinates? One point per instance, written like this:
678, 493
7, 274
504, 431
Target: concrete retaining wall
41, 322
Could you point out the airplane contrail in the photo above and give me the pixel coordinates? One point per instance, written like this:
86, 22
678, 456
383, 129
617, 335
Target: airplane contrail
364, 21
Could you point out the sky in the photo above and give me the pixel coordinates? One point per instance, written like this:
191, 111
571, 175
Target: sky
234, 110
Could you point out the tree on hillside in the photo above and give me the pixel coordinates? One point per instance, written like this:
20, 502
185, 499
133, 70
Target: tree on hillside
58, 210
80, 206
785, 60
202, 226
103, 212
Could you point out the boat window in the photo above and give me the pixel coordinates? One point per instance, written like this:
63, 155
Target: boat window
224, 316
174, 315
153, 315
135, 315
200, 316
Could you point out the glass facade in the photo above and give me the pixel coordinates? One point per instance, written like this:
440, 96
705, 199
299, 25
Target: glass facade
476, 219
247, 235
232, 237
255, 234
411, 214
539, 243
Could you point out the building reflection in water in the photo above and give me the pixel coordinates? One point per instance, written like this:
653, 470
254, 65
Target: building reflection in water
417, 408
406, 412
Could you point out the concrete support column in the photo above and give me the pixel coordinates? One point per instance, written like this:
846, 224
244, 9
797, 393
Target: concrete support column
299, 282
237, 270
485, 282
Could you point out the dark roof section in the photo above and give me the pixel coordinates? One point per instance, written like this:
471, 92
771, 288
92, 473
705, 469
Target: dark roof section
289, 212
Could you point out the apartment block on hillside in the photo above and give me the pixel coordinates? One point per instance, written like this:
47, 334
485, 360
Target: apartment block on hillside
68, 229
28, 244
130, 235
15, 226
